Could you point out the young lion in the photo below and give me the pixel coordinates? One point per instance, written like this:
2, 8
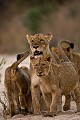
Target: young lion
39, 44
65, 49
55, 80
17, 83
74, 57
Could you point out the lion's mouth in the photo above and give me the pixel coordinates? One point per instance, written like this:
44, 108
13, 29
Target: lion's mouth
38, 53
40, 75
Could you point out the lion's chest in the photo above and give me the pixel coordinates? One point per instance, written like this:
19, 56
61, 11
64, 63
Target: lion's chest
45, 87
34, 80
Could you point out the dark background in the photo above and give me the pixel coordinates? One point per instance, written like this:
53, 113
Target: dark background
21, 17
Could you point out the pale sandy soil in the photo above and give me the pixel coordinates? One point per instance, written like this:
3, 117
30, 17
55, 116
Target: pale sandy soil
69, 115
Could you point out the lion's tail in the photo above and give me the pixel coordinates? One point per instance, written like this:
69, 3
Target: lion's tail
64, 56
68, 42
15, 64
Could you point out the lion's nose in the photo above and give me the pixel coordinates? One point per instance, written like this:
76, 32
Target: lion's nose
40, 72
36, 46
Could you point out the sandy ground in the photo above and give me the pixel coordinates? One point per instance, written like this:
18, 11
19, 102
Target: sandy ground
69, 115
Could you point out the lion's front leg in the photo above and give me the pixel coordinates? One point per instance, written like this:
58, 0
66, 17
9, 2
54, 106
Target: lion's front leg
56, 97
47, 99
35, 91
60, 105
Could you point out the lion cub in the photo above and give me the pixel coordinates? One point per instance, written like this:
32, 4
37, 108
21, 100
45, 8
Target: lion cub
17, 82
55, 80
66, 49
73, 56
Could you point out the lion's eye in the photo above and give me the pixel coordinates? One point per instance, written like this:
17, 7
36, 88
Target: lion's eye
36, 65
41, 40
43, 65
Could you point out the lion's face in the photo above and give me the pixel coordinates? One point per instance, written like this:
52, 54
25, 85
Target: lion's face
66, 49
41, 65
55, 50
39, 43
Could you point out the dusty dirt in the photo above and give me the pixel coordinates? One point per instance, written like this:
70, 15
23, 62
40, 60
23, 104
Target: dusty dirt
69, 115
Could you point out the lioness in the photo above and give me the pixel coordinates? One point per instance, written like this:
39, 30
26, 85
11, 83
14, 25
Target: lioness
55, 80
17, 83
39, 43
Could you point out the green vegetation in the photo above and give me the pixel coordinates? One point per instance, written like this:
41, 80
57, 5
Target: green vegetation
34, 18
38, 8
73, 12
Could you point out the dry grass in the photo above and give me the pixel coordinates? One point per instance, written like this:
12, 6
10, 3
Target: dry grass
5, 105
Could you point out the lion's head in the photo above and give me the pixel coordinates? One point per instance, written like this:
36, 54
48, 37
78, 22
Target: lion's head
39, 43
41, 65
66, 49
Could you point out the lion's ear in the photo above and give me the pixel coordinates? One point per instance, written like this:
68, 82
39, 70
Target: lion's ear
48, 36
53, 49
19, 56
72, 45
29, 37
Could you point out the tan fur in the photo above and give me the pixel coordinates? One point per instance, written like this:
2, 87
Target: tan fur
39, 43
74, 57
56, 80
17, 83
57, 52
59, 49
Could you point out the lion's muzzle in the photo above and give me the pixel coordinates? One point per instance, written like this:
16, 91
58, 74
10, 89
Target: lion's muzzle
38, 53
